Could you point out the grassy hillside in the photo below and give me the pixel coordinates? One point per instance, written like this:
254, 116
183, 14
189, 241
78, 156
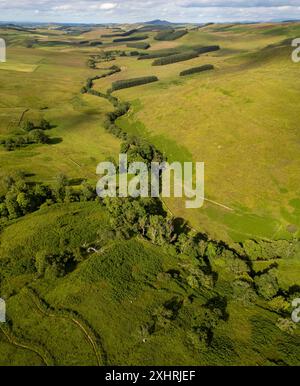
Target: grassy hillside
135, 301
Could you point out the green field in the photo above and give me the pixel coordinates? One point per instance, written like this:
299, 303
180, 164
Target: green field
148, 282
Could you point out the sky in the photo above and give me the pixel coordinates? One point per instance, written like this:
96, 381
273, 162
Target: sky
128, 11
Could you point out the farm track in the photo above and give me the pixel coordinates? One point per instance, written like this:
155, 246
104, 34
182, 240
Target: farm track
101, 358
46, 357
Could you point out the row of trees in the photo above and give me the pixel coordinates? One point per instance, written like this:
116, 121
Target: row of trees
139, 45
205, 49
196, 70
158, 54
120, 84
170, 35
175, 58
131, 39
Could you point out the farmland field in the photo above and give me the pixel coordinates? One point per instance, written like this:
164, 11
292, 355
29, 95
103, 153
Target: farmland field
93, 282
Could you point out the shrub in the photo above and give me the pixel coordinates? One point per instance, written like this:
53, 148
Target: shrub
28, 126
196, 70
175, 58
120, 84
170, 35
38, 136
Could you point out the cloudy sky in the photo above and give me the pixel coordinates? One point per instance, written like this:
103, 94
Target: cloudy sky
100, 11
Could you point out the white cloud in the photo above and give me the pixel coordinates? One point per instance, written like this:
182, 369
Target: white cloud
108, 6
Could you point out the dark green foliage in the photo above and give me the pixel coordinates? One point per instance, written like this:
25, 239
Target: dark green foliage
130, 39
196, 70
35, 134
158, 54
88, 88
175, 58
139, 45
118, 85
203, 50
42, 125
19, 198
170, 35
53, 266
267, 284
28, 126
264, 250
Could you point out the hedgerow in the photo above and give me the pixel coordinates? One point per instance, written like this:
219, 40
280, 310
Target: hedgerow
170, 35
158, 54
175, 58
195, 70
203, 50
120, 84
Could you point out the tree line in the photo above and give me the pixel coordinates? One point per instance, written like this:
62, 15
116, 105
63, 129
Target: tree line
130, 39
170, 35
195, 70
120, 84
175, 58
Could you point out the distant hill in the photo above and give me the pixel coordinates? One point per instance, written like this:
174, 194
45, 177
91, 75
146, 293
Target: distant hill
158, 22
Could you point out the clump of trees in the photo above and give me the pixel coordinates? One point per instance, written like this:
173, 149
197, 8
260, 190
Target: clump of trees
170, 35
35, 133
120, 84
209, 316
196, 70
267, 284
18, 197
175, 58
54, 265
42, 125
264, 250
